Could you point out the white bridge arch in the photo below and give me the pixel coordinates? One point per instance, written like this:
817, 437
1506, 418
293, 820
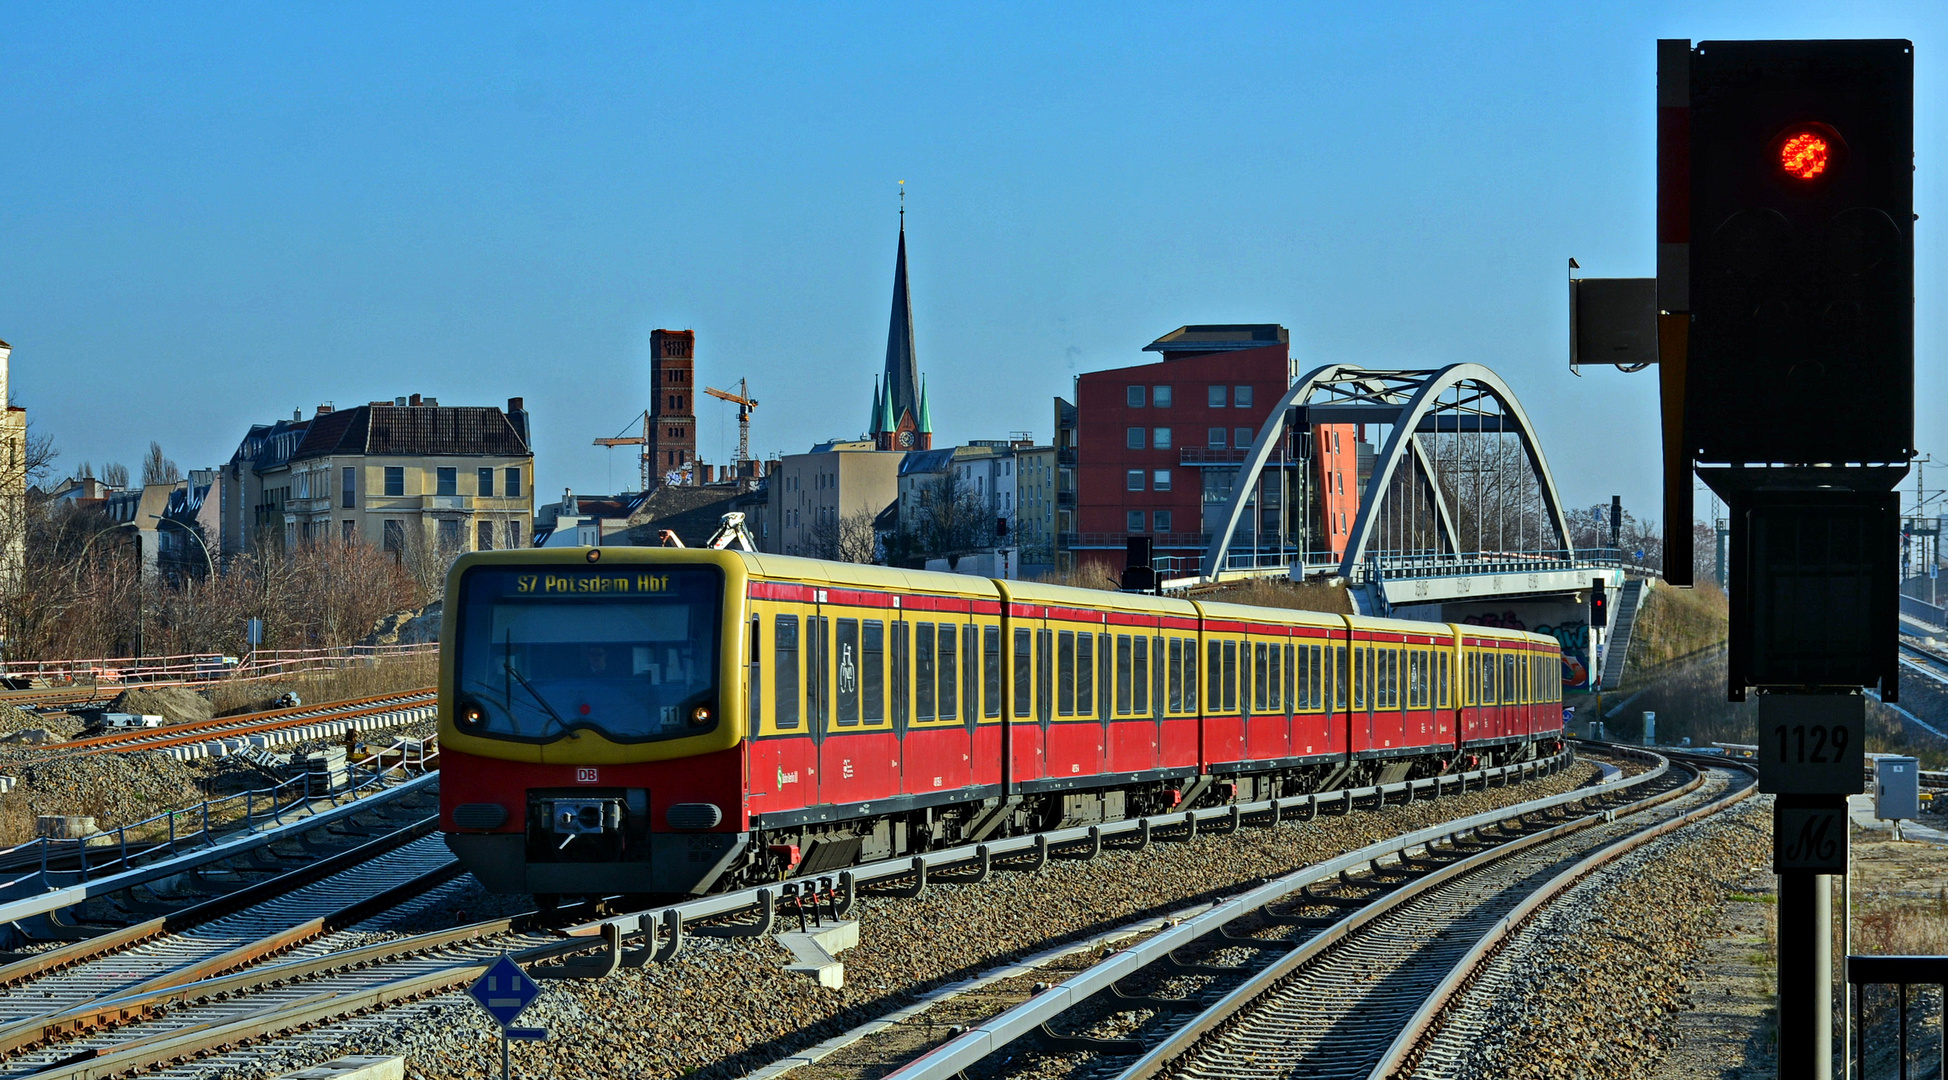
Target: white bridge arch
1455, 400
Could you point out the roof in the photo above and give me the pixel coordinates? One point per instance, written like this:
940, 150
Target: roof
1219, 337
414, 430
692, 513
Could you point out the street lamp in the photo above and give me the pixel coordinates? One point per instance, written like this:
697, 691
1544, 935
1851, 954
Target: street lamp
83, 558
194, 535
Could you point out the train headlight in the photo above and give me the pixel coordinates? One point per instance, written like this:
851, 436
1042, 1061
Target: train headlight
472, 715
594, 554
700, 716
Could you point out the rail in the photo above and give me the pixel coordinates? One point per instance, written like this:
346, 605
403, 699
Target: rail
213, 824
1898, 971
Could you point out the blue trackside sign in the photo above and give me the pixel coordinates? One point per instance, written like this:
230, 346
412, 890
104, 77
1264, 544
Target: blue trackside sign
504, 990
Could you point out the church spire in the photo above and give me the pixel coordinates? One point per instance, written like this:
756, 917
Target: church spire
898, 396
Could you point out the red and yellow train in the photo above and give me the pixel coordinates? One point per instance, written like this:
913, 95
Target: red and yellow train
661, 720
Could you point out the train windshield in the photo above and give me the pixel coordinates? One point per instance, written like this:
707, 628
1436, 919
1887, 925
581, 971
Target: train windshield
630, 653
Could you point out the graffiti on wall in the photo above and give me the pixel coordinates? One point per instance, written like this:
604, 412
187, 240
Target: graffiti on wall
1573, 636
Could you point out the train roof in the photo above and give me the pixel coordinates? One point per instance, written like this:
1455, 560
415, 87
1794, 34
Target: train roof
1036, 592
1214, 609
861, 575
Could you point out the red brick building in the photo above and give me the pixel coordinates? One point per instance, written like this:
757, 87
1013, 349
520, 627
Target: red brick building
1158, 446
671, 431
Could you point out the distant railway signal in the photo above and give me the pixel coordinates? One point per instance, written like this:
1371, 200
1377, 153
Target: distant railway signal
1599, 604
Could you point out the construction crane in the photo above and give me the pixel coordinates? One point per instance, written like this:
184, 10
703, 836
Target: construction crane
649, 467
745, 404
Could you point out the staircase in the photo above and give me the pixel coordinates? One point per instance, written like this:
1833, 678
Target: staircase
1617, 652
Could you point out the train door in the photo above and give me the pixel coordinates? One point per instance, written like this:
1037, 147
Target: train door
1175, 731
783, 759
1268, 733
938, 750
1025, 749
984, 709
859, 754
1075, 732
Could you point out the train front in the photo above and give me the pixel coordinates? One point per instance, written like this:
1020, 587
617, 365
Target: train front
591, 714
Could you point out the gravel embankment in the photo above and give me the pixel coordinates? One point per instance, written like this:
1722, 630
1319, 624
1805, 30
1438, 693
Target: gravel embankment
1605, 973
725, 1008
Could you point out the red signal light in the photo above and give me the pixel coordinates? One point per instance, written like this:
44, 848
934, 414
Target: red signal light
1804, 155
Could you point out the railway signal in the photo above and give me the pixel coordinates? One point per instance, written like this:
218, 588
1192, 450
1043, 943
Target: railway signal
1599, 604
1785, 286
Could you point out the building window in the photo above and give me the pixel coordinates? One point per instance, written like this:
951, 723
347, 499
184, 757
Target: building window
1160, 480
349, 529
1162, 519
1241, 438
449, 532
395, 480
1133, 438
485, 531
1241, 397
514, 537
1217, 397
1135, 521
486, 488
1135, 479
395, 541
1216, 440
447, 481
1135, 397
1160, 396
511, 489
350, 493
1160, 438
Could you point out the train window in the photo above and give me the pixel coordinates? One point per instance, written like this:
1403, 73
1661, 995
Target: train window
970, 683
818, 671
1156, 679
1362, 675
1140, 677
1085, 675
1122, 674
945, 660
1190, 675
784, 653
1044, 673
1214, 696
1024, 673
1291, 675
1230, 676
1105, 674
1441, 687
1488, 679
1065, 674
1260, 700
847, 682
1175, 702
1511, 683
991, 668
1275, 681
1316, 686
754, 691
872, 672
900, 673
923, 672
1339, 677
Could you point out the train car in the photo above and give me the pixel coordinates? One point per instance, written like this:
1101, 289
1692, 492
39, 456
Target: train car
658, 721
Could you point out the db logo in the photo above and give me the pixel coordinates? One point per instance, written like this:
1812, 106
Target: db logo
586, 776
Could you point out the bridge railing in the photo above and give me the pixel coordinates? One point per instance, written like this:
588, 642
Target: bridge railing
1383, 565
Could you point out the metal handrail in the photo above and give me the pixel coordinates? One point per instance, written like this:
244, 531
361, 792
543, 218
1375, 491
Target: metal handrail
414, 760
1900, 971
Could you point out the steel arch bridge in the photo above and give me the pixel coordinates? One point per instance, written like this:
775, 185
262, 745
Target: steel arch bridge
1409, 522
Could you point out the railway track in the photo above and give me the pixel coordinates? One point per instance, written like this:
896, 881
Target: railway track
142, 1026
272, 722
1925, 660
1341, 971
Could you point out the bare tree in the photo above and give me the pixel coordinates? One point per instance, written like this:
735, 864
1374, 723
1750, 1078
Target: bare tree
115, 474
157, 469
946, 518
847, 538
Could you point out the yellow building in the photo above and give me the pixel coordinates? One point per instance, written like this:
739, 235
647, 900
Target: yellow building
408, 475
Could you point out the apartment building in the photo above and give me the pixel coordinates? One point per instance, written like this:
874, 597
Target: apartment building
400, 474
808, 495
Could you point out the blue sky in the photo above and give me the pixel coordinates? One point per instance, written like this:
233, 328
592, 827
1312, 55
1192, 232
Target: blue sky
210, 216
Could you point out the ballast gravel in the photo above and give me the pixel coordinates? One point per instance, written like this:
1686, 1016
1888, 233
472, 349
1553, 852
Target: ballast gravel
1602, 977
725, 1008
